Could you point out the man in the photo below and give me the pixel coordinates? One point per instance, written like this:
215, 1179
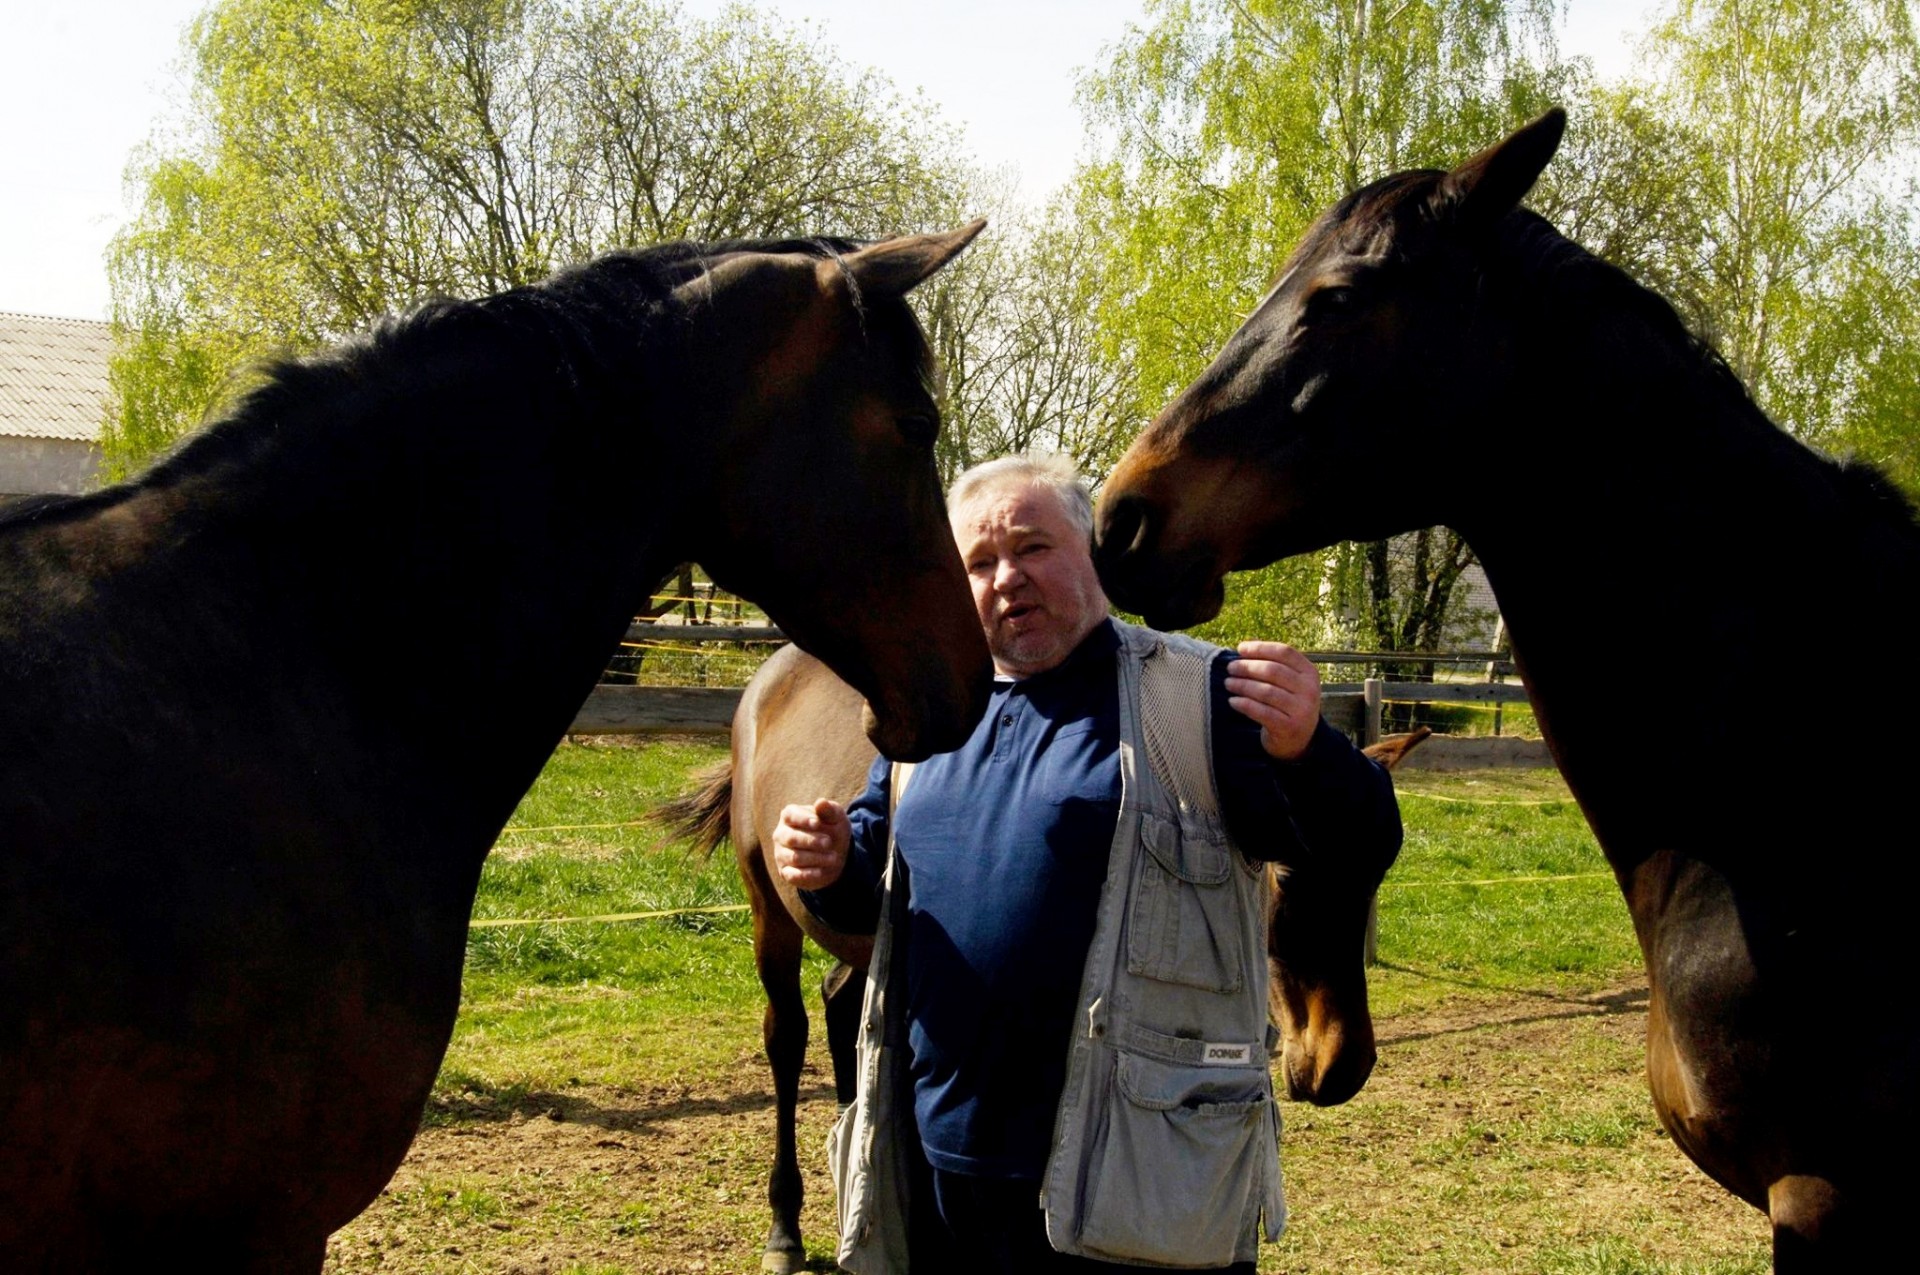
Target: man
1006, 844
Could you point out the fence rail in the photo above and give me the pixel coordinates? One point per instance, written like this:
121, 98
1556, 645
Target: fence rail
654, 630
1353, 707
657, 710
650, 630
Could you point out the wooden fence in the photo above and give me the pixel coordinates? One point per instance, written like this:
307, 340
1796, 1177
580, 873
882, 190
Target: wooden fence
1354, 707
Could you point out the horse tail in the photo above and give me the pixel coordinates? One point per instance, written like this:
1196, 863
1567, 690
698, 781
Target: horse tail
702, 818
1393, 749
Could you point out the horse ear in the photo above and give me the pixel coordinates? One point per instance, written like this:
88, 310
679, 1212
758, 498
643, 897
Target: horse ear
1490, 185
894, 266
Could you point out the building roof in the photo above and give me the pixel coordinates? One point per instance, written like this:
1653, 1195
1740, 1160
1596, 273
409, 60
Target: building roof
53, 377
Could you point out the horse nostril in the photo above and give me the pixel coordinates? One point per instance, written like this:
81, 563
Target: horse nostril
1127, 528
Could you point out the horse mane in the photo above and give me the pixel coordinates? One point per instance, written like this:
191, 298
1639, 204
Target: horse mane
1550, 264
1873, 491
581, 324
1534, 254
18, 511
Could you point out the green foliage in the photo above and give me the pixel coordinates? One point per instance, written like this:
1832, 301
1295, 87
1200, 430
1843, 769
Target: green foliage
1279, 603
1229, 125
1013, 324
1801, 125
340, 161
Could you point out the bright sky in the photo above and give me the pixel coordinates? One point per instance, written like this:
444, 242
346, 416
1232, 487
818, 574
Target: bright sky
82, 82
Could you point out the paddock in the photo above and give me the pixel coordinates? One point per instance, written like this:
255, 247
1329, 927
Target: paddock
1506, 1128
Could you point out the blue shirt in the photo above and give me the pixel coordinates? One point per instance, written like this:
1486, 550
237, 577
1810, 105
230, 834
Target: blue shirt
1005, 843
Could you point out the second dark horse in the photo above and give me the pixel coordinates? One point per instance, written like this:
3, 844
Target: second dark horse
1428, 317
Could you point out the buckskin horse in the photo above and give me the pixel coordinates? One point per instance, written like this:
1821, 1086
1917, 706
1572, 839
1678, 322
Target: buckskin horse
247, 783
795, 738
1428, 317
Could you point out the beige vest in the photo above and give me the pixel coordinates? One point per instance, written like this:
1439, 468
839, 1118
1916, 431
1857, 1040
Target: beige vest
1166, 1140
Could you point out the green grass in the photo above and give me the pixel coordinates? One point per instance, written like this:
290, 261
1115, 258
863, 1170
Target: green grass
1463, 719
1499, 885
1614, 1256
550, 1004
1506, 1129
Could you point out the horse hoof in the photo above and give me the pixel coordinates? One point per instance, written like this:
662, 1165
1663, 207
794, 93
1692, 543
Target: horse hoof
783, 1261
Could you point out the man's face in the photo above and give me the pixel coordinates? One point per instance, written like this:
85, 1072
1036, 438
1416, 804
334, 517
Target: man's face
1032, 575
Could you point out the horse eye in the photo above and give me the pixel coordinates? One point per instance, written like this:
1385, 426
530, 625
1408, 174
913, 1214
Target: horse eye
1331, 301
920, 429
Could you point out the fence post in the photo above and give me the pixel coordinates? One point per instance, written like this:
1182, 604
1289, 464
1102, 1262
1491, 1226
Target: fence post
1493, 667
1373, 695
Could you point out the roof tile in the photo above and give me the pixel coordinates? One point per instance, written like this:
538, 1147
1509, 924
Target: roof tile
53, 376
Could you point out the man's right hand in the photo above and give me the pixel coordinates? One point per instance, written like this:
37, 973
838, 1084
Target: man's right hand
810, 844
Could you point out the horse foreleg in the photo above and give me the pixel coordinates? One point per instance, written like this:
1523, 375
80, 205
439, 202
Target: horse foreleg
776, 952
1822, 1227
1804, 1212
841, 994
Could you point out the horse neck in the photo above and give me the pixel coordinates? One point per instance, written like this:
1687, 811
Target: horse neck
1666, 513
452, 537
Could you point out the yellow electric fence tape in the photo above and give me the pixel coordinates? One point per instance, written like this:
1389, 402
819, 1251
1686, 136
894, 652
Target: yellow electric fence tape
493, 921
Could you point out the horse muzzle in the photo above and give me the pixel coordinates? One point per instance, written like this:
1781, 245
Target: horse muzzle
916, 730
1327, 1059
1172, 590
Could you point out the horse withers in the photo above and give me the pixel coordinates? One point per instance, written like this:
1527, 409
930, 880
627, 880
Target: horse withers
246, 783
1429, 317
796, 738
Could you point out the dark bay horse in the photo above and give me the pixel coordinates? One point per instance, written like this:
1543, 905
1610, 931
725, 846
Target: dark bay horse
796, 738
1428, 318
246, 783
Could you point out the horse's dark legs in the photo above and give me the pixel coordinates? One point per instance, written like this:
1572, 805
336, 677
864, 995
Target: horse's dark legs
1819, 1227
776, 952
842, 993
1803, 1211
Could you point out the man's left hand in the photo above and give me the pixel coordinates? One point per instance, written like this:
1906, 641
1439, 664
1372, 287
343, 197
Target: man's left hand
1278, 687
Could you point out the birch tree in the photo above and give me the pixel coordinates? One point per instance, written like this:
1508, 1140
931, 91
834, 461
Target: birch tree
341, 160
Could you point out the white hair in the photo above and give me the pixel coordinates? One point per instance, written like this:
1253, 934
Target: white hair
1048, 470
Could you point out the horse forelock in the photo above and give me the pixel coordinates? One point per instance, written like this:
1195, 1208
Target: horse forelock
887, 315
1366, 223
891, 314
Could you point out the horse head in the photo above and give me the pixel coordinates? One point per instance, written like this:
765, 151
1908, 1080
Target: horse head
1316, 975
1373, 353
827, 417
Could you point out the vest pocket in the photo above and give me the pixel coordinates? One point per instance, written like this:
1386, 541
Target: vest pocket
842, 1155
1179, 1173
1184, 926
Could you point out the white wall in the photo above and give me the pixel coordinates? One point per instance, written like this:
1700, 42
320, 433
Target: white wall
29, 466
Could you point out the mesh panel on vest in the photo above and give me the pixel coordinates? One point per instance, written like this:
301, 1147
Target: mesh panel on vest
1174, 701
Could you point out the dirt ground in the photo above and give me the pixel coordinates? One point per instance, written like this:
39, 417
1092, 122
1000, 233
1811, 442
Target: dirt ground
1505, 1133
